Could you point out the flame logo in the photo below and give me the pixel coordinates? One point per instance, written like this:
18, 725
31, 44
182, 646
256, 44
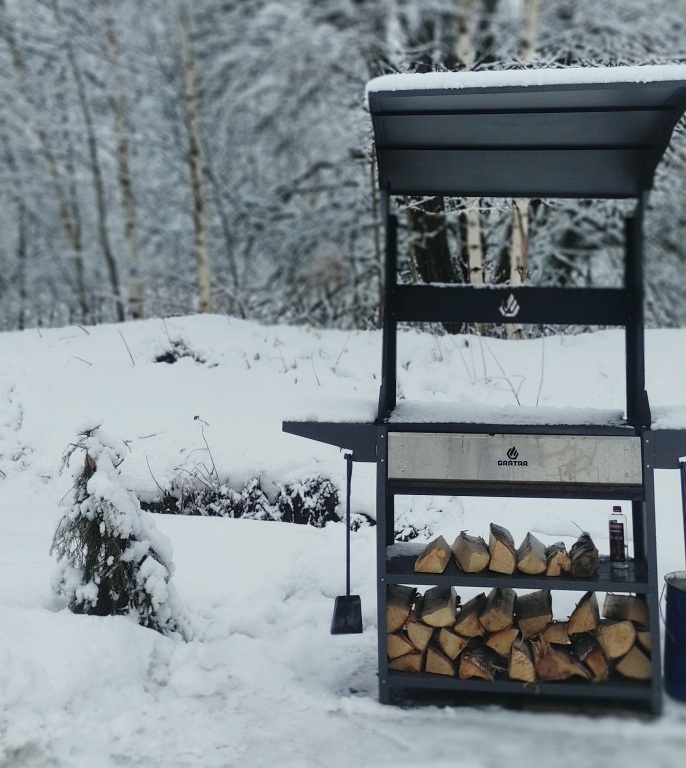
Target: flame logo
513, 454
509, 307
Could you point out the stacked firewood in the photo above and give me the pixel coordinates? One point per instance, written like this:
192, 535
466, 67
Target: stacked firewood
509, 636
472, 555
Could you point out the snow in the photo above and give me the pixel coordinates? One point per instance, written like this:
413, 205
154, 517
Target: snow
649, 73
263, 682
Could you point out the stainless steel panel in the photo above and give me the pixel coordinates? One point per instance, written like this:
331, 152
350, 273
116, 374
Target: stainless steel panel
515, 458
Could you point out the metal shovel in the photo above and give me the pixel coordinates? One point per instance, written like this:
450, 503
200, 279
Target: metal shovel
347, 610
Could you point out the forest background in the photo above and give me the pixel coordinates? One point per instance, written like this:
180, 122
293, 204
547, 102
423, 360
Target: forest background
165, 157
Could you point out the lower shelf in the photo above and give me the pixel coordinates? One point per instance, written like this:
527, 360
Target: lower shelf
640, 694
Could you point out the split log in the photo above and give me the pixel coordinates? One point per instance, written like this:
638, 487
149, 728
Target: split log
468, 624
399, 601
584, 557
585, 648
410, 662
471, 553
502, 550
556, 632
586, 616
534, 612
437, 663
434, 558
643, 639
615, 637
398, 645
498, 613
629, 607
555, 663
451, 644
501, 642
635, 665
558, 561
418, 633
477, 660
521, 666
531, 555
440, 606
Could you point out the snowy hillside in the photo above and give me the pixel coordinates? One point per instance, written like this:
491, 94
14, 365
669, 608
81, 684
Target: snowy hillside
263, 682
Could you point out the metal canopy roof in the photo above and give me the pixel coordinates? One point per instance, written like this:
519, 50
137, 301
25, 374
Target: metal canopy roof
584, 133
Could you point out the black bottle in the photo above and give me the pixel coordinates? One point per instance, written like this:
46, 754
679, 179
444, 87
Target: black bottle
617, 524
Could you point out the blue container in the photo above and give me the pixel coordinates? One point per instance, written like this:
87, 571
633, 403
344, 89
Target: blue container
675, 635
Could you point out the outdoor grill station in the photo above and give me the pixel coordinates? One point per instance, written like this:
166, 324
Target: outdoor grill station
587, 133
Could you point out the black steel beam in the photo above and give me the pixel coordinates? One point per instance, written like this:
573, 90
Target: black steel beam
526, 304
579, 173
515, 490
514, 429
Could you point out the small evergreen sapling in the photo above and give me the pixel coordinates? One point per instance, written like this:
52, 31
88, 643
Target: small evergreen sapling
113, 560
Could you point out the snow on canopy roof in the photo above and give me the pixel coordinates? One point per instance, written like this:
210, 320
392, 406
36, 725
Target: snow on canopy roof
577, 132
527, 77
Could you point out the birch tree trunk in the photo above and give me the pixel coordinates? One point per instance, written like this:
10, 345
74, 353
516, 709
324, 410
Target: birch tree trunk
195, 166
473, 243
465, 35
530, 31
376, 235
518, 255
21, 261
136, 284
520, 206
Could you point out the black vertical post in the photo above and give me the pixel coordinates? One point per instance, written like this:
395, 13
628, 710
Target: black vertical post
637, 407
647, 552
348, 484
384, 533
682, 472
387, 396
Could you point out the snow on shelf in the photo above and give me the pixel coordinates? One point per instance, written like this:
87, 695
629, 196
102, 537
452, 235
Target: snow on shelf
363, 410
426, 412
669, 417
470, 413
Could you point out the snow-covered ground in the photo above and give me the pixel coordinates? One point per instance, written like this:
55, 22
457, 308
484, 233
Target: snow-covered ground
263, 682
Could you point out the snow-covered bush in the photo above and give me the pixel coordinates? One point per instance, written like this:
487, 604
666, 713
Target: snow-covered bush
254, 503
176, 350
312, 502
112, 558
203, 500
220, 500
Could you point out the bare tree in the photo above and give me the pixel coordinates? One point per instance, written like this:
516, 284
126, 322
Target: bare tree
68, 212
136, 284
95, 166
195, 164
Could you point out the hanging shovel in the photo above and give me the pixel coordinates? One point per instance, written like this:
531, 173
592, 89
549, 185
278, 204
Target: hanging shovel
347, 610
